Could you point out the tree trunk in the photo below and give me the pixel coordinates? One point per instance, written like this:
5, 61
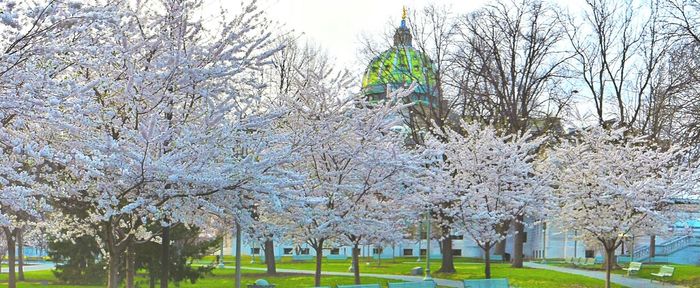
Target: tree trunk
130, 266
652, 246
609, 255
270, 256
10, 237
518, 241
152, 274
613, 259
356, 263
165, 258
20, 255
113, 263
319, 259
500, 248
487, 260
448, 264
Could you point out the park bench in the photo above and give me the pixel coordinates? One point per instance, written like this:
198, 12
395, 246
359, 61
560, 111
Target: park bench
417, 284
486, 283
588, 262
261, 283
302, 257
578, 261
633, 268
337, 257
360, 286
664, 271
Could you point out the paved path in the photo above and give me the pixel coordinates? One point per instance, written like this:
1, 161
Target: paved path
33, 267
615, 278
441, 282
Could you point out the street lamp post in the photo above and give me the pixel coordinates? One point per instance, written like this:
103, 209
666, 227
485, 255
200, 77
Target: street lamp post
238, 255
575, 242
221, 252
544, 242
427, 250
420, 239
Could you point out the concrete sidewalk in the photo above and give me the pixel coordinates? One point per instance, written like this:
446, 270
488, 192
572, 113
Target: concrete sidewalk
440, 282
33, 267
615, 278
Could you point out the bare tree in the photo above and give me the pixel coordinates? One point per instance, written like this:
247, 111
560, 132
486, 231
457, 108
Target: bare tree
511, 63
619, 47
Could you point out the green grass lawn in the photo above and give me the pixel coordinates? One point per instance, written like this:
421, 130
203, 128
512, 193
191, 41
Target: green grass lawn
467, 268
686, 275
220, 278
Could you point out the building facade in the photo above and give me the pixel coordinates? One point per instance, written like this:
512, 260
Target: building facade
402, 66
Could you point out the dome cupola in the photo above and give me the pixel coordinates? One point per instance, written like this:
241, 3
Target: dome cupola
399, 67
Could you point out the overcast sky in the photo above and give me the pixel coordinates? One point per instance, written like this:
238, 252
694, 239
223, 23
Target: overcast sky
336, 25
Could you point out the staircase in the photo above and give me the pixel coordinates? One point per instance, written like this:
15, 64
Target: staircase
666, 248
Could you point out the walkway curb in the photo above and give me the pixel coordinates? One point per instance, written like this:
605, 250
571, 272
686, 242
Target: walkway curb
614, 278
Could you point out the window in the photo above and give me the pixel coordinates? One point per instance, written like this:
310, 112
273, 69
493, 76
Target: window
422, 252
524, 237
287, 251
377, 251
456, 252
457, 237
254, 250
335, 251
304, 251
590, 253
407, 252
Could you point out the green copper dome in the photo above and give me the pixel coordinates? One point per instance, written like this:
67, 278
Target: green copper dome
399, 67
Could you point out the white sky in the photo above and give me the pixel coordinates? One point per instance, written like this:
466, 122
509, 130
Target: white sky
336, 25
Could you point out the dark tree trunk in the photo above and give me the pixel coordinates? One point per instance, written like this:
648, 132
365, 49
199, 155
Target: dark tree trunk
20, 255
613, 259
652, 246
165, 258
500, 247
130, 266
113, 262
270, 256
152, 274
319, 260
448, 264
518, 241
487, 260
609, 258
10, 237
356, 263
